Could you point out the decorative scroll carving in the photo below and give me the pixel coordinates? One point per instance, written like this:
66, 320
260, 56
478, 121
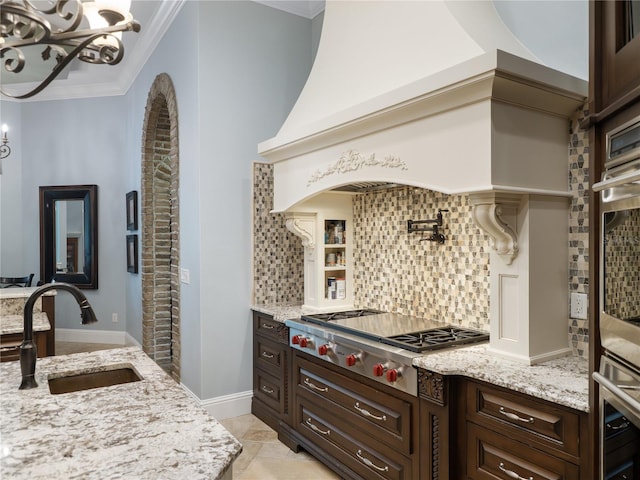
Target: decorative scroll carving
352, 160
431, 386
435, 446
304, 226
489, 210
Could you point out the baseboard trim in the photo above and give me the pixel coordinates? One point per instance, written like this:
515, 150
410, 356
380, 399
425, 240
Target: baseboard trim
226, 406
90, 336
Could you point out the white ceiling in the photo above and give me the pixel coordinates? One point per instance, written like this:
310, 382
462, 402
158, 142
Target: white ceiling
155, 16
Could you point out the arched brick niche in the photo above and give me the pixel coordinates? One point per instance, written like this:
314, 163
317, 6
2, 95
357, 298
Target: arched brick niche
160, 228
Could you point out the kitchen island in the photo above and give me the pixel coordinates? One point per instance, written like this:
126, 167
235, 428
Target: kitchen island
149, 429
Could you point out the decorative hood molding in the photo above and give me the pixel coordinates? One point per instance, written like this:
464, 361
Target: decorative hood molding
434, 94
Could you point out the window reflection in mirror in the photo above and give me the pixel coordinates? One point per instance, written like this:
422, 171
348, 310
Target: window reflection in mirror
68, 235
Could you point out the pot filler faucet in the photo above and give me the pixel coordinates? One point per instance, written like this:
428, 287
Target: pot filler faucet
28, 348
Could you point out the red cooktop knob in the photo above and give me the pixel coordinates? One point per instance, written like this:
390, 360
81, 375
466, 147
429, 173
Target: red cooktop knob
392, 375
303, 342
378, 369
351, 360
295, 339
323, 349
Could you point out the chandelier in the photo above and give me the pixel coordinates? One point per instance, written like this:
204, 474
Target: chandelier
58, 29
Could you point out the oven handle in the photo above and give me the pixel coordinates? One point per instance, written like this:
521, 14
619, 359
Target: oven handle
629, 178
617, 391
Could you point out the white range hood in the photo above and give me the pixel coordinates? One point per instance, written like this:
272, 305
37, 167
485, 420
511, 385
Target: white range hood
440, 95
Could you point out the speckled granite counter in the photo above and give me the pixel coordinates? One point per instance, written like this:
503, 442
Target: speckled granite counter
564, 381
143, 430
15, 323
280, 313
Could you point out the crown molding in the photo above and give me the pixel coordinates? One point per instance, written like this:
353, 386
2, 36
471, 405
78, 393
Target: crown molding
303, 8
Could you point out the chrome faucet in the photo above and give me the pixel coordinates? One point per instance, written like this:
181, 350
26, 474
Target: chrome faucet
28, 348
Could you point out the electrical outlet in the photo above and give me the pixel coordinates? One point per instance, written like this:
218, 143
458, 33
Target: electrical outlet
579, 304
114, 317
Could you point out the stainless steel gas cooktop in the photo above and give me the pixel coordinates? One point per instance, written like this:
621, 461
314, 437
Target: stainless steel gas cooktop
403, 331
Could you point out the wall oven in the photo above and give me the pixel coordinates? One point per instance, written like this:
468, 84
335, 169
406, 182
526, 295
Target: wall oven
619, 375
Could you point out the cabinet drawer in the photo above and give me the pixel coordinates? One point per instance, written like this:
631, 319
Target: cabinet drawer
341, 441
10, 345
269, 355
524, 417
381, 416
492, 456
267, 327
269, 390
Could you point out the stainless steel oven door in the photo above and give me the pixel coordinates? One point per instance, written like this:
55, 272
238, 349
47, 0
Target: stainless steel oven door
619, 388
620, 262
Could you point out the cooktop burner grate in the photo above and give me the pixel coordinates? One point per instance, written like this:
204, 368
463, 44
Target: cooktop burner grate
435, 338
327, 317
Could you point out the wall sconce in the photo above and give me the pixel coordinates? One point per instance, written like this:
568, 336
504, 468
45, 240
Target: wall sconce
5, 150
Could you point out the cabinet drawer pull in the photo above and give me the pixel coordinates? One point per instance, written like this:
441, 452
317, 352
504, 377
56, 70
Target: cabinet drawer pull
267, 355
622, 426
308, 383
512, 474
267, 326
268, 390
513, 416
316, 429
367, 413
369, 463
9, 349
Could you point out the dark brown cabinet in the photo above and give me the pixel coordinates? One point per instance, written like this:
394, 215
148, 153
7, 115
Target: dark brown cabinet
45, 341
615, 52
358, 428
435, 425
271, 371
10, 345
512, 435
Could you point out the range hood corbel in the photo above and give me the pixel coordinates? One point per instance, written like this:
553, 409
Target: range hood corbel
494, 213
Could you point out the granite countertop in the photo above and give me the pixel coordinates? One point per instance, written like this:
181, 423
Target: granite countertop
142, 430
22, 292
15, 323
564, 381
280, 313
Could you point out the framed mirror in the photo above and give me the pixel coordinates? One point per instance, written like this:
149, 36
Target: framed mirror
69, 235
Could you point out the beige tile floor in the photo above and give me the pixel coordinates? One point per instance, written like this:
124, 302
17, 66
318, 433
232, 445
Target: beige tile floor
263, 457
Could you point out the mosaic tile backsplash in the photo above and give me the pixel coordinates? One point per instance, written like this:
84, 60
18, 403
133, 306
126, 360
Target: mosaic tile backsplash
278, 255
396, 271
579, 227
401, 272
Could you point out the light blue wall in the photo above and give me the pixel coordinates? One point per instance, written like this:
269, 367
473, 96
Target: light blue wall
12, 261
556, 32
254, 61
249, 65
170, 58
75, 142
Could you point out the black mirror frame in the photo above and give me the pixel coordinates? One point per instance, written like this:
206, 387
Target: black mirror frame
89, 195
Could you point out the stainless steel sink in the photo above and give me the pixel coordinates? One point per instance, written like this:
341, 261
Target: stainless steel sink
76, 382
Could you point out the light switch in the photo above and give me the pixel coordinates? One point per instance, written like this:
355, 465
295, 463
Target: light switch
184, 276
